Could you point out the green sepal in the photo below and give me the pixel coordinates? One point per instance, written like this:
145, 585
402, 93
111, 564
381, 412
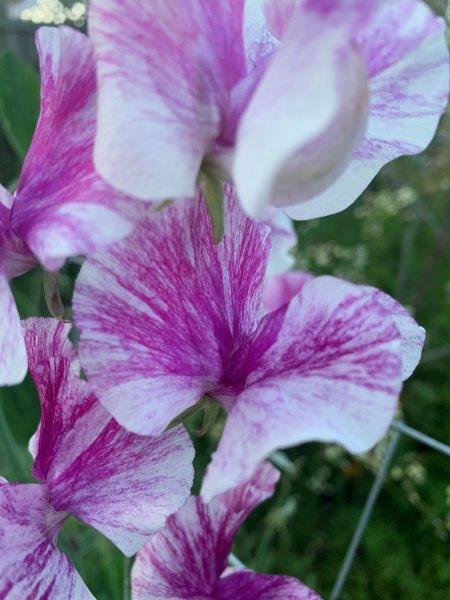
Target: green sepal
212, 190
210, 409
52, 296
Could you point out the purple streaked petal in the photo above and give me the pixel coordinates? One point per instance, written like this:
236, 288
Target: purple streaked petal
62, 207
123, 484
406, 55
284, 239
247, 585
187, 558
278, 15
71, 417
30, 564
412, 335
332, 374
299, 130
126, 485
13, 356
15, 257
164, 81
160, 312
280, 289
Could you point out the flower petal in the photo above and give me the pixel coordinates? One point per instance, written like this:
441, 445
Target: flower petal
306, 118
164, 80
280, 289
123, 484
247, 585
30, 564
13, 357
62, 207
187, 558
71, 417
412, 335
284, 239
161, 311
278, 14
333, 374
126, 485
15, 257
406, 54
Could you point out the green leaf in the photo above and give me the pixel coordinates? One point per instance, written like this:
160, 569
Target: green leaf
212, 190
19, 101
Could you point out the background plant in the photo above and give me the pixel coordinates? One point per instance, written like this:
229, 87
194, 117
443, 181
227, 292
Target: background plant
397, 238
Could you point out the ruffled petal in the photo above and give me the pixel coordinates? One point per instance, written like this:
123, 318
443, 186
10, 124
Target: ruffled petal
187, 558
123, 484
160, 312
13, 356
406, 54
164, 81
30, 564
412, 335
247, 585
331, 373
126, 485
278, 15
62, 207
71, 417
306, 117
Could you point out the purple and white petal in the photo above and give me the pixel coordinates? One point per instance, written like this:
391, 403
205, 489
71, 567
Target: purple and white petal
165, 76
284, 240
278, 14
62, 206
13, 356
123, 484
71, 416
406, 55
331, 371
15, 257
126, 485
160, 312
306, 117
412, 335
280, 289
247, 585
31, 566
187, 558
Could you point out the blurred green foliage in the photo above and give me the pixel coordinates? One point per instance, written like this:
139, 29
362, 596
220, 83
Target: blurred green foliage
19, 101
397, 238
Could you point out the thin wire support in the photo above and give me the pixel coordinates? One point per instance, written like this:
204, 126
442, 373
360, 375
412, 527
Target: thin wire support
365, 516
421, 437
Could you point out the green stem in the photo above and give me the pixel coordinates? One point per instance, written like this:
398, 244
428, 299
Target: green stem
126, 588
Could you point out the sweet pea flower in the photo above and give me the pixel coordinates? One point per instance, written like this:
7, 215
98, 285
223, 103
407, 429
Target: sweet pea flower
188, 558
61, 207
123, 484
299, 103
167, 316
